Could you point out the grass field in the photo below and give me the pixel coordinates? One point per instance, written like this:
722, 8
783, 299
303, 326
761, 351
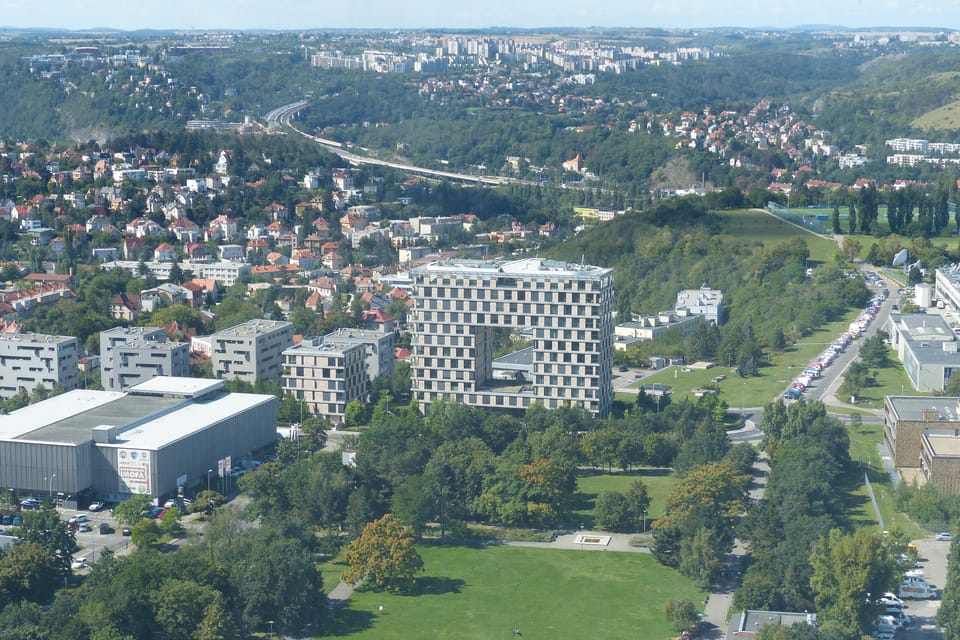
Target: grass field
659, 483
945, 117
758, 390
483, 593
749, 224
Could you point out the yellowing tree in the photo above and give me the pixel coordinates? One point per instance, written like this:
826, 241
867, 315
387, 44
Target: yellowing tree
385, 555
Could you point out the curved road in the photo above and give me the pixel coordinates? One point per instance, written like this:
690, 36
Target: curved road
284, 115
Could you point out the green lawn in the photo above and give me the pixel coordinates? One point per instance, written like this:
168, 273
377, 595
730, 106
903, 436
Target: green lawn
589, 485
769, 384
488, 592
748, 224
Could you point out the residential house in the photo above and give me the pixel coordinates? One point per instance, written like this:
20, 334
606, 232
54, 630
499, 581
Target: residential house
165, 295
165, 252
125, 306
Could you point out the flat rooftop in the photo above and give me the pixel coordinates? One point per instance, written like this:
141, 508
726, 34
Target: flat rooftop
912, 407
253, 327
149, 415
923, 326
528, 267
751, 621
943, 443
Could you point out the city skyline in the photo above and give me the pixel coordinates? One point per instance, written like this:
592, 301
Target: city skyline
380, 14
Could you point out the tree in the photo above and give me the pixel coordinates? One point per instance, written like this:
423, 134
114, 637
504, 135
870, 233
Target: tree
953, 385
46, 529
846, 567
415, 503
385, 555
128, 512
29, 572
146, 533
682, 614
948, 616
700, 559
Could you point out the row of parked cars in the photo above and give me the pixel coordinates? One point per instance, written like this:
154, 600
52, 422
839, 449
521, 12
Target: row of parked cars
892, 617
815, 369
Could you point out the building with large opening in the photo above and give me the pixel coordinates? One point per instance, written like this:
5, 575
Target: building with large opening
566, 308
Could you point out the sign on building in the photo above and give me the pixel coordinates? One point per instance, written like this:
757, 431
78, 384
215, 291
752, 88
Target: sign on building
133, 471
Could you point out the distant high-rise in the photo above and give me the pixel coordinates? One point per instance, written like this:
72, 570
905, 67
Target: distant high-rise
568, 309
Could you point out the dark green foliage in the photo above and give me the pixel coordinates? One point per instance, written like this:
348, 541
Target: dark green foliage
809, 456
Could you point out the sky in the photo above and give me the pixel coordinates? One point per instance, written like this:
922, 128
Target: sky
463, 14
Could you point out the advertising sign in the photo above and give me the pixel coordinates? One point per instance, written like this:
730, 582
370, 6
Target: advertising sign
133, 471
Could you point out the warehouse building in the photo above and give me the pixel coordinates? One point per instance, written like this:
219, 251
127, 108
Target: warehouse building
151, 439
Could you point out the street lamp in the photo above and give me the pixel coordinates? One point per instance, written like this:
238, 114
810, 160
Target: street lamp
644, 520
209, 471
270, 622
50, 485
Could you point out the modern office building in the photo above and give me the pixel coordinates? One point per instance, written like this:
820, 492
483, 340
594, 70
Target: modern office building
927, 347
327, 373
567, 308
704, 302
31, 360
151, 439
251, 350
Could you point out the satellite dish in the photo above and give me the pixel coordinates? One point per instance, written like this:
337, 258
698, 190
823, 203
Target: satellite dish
900, 258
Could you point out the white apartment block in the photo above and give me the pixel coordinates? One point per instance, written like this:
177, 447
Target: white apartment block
111, 339
704, 302
568, 308
326, 374
251, 350
131, 355
29, 360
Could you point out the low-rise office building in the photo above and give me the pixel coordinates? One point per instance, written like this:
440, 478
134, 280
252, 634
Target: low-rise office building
379, 346
151, 439
704, 302
940, 459
907, 418
32, 360
251, 350
927, 347
113, 339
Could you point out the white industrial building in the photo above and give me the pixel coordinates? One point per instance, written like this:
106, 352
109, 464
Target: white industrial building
151, 439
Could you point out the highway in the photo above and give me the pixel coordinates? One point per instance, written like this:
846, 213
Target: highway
284, 115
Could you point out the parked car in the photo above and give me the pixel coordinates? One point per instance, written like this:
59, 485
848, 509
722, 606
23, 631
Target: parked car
30, 503
6, 520
95, 506
944, 536
125, 531
84, 528
78, 563
78, 519
16, 521
105, 528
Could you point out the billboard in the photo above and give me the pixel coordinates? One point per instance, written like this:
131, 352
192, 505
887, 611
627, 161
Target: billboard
133, 471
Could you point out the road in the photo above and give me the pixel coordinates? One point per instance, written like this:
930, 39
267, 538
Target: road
284, 115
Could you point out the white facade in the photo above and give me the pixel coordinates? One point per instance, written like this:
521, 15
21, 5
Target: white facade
29, 360
704, 302
251, 350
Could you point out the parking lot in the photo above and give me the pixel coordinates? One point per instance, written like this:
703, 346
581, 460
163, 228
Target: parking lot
92, 542
933, 557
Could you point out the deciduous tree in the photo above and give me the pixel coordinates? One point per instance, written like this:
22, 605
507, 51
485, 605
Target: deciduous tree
385, 555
